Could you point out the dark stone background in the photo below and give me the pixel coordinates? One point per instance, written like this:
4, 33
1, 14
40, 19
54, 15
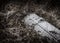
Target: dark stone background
51, 3
3, 34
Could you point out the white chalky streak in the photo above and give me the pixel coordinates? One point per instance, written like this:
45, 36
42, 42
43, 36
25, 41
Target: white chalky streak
41, 25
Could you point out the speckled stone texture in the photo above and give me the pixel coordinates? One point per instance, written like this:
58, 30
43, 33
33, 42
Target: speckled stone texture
13, 30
